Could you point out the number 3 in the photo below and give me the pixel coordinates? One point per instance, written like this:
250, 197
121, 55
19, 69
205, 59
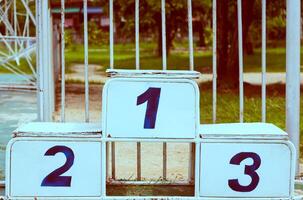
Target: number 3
55, 179
250, 170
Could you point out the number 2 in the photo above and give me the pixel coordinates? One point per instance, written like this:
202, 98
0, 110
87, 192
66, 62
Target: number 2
54, 179
152, 96
250, 170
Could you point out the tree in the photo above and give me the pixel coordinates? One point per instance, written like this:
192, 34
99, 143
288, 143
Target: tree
276, 23
227, 48
202, 12
151, 19
222, 41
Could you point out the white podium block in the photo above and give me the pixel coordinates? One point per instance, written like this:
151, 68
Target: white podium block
66, 166
150, 108
253, 160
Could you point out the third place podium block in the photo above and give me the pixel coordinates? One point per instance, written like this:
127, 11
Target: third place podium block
248, 160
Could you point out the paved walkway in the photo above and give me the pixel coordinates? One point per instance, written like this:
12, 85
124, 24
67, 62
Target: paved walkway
96, 76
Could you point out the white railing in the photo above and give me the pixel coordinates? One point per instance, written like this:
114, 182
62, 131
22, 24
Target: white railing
293, 64
17, 42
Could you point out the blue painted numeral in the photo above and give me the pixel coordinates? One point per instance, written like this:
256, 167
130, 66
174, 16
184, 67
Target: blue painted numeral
249, 170
151, 96
55, 179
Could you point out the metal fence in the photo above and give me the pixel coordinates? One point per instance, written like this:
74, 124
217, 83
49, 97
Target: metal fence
46, 80
17, 42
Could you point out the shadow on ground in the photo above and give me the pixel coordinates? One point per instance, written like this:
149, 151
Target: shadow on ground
149, 190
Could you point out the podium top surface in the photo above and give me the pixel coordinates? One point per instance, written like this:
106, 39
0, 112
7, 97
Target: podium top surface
153, 73
242, 130
54, 129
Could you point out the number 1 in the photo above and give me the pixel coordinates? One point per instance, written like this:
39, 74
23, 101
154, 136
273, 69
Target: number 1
151, 96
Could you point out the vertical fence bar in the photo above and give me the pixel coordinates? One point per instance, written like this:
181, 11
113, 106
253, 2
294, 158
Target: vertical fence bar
62, 61
39, 61
111, 34
5, 13
137, 19
86, 61
164, 161
111, 65
43, 65
293, 25
164, 63
197, 169
191, 67
190, 35
164, 67
139, 161
50, 63
240, 45
263, 60
107, 158
214, 61
191, 167
113, 151
104, 165
27, 24
15, 25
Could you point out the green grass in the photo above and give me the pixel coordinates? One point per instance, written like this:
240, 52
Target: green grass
178, 59
228, 106
23, 65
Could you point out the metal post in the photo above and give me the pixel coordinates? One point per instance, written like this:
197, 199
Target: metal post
293, 16
137, 19
113, 150
214, 61
164, 161
240, 45
164, 67
137, 30
62, 61
263, 60
197, 169
15, 24
191, 167
164, 64
50, 64
104, 159
86, 61
111, 33
44, 95
138, 161
38, 61
191, 67
111, 65
27, 25
5, 13
190, 35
